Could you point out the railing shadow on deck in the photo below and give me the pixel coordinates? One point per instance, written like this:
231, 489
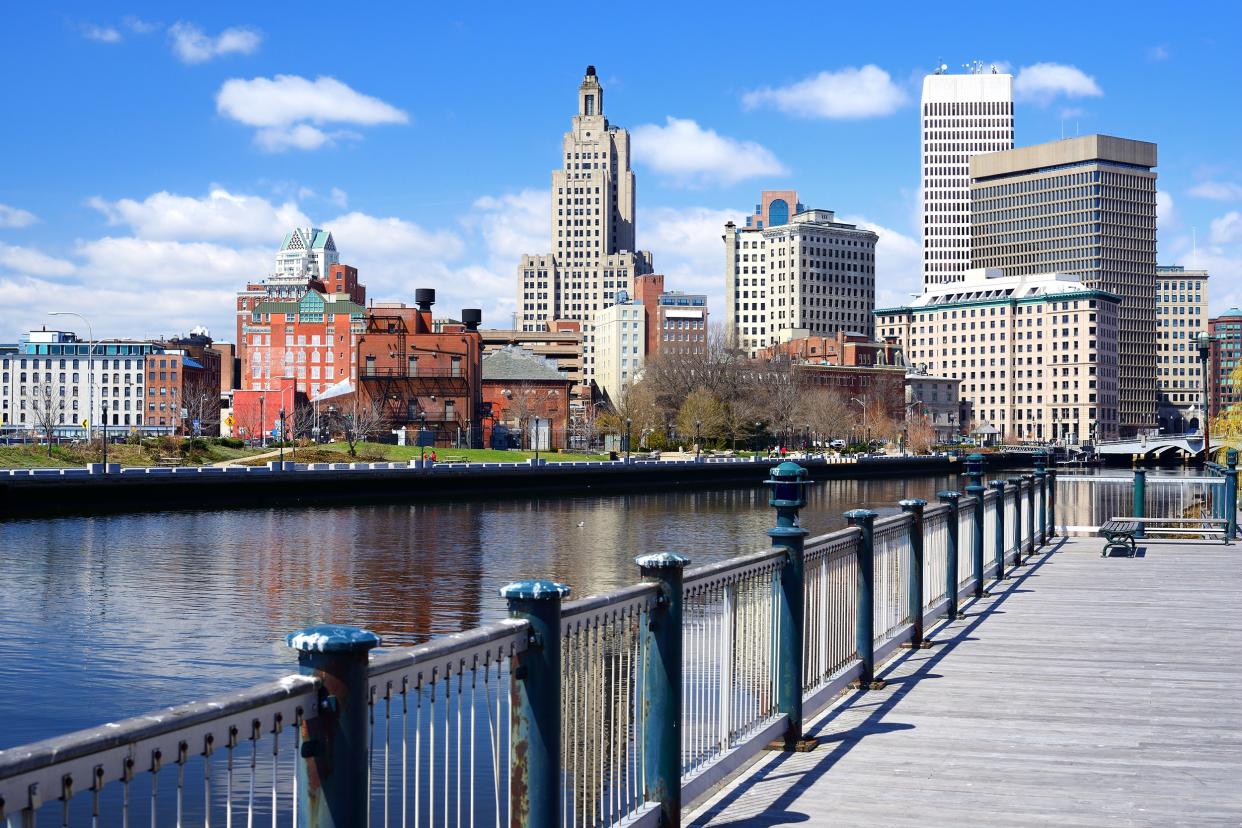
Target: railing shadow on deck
842, 743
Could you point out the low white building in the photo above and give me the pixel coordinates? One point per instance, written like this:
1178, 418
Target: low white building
620, 345
937, 399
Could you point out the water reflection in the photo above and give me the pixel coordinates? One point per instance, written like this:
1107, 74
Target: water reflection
107, 617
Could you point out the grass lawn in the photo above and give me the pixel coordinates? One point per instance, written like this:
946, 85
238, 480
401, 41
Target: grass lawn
69, 455
381, 452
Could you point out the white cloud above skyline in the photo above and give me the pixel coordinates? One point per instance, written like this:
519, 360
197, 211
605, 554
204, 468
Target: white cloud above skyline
100, 34
1041, 83
1227, 229
219, 215
846, 94
192, 45
1217, 190
288, 110
691, 155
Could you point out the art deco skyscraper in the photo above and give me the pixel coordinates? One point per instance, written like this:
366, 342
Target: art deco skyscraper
592, 222
961, 116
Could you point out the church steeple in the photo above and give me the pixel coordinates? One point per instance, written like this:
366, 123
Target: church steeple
590, 94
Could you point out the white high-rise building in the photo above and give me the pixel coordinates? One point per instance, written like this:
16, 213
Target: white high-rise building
306, 252
592, 223
961, 116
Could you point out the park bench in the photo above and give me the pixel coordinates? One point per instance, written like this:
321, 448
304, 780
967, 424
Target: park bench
170, 460
1119, 534
1180, 528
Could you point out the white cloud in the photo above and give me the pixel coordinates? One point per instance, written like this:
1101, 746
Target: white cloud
1160, 52
1040, 83
1227, 229
221, 216
339, 197
100, 34
14, 217
691, 154
192, 45
285, 107
849, 93
139, 26
31, 262
1165, 213
686, 245
513, 224
898, 263
1217, 190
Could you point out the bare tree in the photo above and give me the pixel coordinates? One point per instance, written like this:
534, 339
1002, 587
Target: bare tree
47, 410
358, 419
920, 435
201, 400
583, 425
305, 425
828, 413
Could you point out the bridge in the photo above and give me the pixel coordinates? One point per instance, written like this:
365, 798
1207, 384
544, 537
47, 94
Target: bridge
1154, 448
976, 659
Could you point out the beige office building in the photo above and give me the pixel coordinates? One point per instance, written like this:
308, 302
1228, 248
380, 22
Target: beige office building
805, 271
592, 222
620, 346
1036, 354
1084, 206
960, 117
1181, 315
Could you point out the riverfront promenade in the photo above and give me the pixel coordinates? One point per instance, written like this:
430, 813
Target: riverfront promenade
1086, 691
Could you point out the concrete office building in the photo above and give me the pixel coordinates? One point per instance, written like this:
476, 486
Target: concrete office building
810, 272
939, 400
1181, 315
621, 345
1226, 356
592, 228
960, 117
1084, 206
1036, 354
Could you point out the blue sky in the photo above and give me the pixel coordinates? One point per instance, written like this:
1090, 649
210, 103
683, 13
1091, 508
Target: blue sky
154, 153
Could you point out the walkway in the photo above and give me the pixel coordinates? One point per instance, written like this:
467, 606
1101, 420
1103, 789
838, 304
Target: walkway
1090, 691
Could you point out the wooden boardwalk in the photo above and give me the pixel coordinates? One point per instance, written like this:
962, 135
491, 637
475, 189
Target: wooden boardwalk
1088, 691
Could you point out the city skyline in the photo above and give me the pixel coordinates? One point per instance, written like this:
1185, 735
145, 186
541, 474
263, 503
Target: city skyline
234, 133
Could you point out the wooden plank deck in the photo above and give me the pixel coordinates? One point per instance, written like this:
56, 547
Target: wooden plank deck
1088, 691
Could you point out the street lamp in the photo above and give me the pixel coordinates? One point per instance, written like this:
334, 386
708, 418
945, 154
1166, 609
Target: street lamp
866, 429
628, 424
698, 424
1205, 354
104, 404
282, 438
758, 425
90, 368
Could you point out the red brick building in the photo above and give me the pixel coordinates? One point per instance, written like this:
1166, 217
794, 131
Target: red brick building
520, 387
256, 413
847, 349
425, 379
309, 343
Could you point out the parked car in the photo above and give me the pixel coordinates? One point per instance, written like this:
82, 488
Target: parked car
837, 444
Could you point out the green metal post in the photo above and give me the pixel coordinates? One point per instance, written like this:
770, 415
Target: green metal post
974, 470
1052, 502
999, 544
914, 590
661, 649
332, 764
1016, 482
1231, 494
1140, 499
788, 495
535, 706
1041, 474
950, 558
864, 620
1030, 510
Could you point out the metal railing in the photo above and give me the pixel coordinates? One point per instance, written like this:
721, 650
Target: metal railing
610, 709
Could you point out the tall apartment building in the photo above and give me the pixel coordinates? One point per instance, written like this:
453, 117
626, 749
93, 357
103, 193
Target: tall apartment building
621, 345
1226, 356
960, 117
1181, 315
678, 325
1037, 354
311, 340
810, 272
1084, 206
592, 228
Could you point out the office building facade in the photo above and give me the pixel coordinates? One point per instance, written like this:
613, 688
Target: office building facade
1225, 357
1181, 316
960, 116
1084, 206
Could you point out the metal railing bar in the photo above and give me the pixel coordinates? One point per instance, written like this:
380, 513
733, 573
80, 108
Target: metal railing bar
454, 651
739, 566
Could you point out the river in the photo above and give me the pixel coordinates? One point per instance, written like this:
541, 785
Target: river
107, 617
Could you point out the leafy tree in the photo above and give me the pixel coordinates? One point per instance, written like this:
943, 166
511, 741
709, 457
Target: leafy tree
701, 415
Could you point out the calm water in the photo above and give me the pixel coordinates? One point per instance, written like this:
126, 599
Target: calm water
107, 617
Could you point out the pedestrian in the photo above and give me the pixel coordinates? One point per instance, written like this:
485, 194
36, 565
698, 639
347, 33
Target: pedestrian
433, 455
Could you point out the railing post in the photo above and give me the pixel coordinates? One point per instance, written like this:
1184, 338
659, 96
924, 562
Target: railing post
999, 551
1016, 482
951, 555
535, 706
661, 649
788, 495
914, 590
1140, 499
1231, 494
332, 764
1030, 510
864, 621
1041, 474
1052, 502
974, 470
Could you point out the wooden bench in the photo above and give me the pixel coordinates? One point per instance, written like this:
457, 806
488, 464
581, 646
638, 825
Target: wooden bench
1119, 534
174, 460
1200, 528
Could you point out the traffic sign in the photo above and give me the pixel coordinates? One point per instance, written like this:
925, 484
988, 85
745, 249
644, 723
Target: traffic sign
86, 424
228, 421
